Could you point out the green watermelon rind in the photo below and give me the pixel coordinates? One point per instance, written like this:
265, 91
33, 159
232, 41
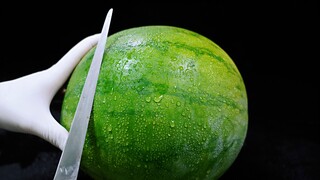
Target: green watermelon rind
169, 104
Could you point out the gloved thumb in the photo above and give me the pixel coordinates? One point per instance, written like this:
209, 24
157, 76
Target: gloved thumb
52, 132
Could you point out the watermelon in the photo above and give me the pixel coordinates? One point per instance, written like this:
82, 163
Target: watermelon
170, 104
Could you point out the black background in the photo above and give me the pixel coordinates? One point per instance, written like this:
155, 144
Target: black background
274, 45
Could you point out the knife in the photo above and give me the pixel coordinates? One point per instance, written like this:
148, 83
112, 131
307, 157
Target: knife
69, 162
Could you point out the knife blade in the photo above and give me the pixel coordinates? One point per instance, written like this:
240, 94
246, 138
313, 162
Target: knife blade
69, 162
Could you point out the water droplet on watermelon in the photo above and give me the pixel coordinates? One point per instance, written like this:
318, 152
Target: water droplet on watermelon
148, 99
178, 103
172, 124
109, 128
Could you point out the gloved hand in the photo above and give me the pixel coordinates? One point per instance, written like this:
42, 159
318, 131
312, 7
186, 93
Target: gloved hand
25, 102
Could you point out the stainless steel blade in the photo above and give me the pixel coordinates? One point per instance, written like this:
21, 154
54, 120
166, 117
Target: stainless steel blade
69, 163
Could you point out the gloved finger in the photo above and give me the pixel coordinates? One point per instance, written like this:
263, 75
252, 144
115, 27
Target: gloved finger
52, 132
59, 72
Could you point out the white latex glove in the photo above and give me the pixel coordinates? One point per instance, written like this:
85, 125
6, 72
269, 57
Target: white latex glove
25, 102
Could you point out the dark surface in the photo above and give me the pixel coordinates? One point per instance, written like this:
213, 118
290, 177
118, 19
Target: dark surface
274, 46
